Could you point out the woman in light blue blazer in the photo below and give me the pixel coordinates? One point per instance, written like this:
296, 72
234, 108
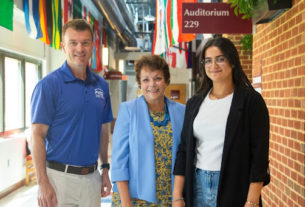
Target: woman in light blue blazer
145, 140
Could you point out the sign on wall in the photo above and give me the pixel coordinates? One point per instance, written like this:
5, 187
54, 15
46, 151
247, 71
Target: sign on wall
215, 18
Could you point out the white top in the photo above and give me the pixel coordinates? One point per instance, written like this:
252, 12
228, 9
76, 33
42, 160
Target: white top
209, 129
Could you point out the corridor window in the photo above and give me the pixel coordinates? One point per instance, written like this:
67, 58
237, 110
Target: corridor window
19, 75
31, 79
13, 116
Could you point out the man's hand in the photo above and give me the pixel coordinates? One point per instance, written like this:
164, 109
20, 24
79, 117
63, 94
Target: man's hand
106, 184
46, 195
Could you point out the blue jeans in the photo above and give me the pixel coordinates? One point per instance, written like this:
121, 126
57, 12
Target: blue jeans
205, 188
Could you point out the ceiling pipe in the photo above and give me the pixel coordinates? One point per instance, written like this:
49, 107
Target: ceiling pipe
111, 12
126, 15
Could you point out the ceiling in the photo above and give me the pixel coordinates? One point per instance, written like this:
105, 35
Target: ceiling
143, 16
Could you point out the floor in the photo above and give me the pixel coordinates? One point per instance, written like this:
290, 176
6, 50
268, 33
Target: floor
27, 197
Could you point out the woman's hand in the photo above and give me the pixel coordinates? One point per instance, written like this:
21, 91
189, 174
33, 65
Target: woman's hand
178, 203
178, 200
254, 194
251, 204
124, 193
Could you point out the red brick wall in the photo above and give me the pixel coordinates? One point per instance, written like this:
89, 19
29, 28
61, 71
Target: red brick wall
245, 56
279, 53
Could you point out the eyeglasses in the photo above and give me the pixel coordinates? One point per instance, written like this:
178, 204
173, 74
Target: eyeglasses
85, 43
219, 60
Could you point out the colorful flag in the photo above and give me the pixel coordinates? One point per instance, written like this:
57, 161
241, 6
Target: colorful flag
43, 22
56, 38
159, 43
178, 55
6, 14
168, 30
49, 19
65, 11
77, 9
32, 18
36, 17
104, 34
97, 46
189, 55
84, 12
174, 22
93, 58
183, 37
92, 63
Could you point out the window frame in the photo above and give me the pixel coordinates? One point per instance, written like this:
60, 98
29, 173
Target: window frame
23, 59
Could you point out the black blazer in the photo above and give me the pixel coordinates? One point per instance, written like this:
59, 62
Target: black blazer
245, 153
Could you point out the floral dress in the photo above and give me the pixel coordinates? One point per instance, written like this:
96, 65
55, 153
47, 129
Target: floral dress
163, 143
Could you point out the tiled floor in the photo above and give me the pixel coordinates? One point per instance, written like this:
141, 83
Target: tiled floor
27, 197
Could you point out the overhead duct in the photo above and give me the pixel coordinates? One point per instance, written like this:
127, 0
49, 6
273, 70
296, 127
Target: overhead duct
126, 15
112, 13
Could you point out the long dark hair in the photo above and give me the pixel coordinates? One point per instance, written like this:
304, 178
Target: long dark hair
230, 52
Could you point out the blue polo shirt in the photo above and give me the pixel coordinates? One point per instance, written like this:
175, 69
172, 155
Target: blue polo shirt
74, 110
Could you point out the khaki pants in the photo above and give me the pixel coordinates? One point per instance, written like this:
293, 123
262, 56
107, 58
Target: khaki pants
76, 190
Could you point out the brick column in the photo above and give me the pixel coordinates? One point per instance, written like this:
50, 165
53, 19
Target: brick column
279, 47
245, 56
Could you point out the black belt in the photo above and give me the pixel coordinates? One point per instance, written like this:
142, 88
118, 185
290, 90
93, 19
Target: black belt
71, 169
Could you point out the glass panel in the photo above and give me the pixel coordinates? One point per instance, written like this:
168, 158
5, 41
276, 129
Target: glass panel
13, 94
31, 79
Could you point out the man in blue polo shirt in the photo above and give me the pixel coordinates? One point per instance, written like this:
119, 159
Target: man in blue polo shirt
70, 111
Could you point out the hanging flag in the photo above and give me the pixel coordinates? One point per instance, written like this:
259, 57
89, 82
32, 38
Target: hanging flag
65, 11
97, 46
32, 18
49, 15
183, 37
77, 9
6, 14
104, 31
159, 43
56, 10
178, 55
189, 55
84, 12
43, 22
36, 17
168, 30
93, 58
168, 37
171, 57
174, 22
70, 10
91, 22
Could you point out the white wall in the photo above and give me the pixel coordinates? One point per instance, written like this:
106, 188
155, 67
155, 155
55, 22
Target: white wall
18, 41
12, 150
12, 161
181, 76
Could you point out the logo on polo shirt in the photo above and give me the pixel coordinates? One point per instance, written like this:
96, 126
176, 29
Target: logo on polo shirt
99, 93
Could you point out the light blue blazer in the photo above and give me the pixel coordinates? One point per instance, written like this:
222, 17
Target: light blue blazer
133, 147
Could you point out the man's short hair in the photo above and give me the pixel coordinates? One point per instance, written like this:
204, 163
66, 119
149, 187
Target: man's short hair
78, 25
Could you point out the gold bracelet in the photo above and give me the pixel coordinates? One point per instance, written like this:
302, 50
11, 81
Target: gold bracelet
252, 203
178, 199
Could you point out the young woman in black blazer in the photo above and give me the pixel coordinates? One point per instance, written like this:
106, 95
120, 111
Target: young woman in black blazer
235, 151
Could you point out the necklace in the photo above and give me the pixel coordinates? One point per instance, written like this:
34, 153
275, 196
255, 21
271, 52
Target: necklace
164, 122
